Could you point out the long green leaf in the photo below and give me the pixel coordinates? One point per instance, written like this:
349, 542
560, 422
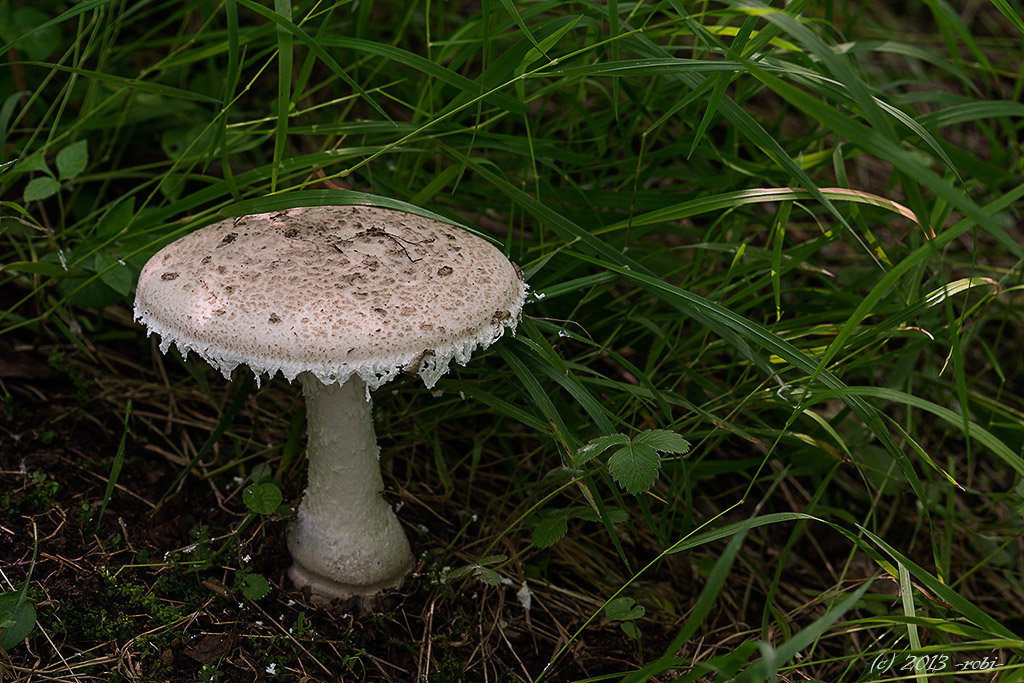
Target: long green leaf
283, 9
881, 146
912, 260
734, 328
316, 48
131, 84
424, 66
705, 601
774, 658
973, 431
115, 468
70, 13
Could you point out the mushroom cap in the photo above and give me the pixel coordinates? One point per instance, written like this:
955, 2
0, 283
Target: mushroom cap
334, 291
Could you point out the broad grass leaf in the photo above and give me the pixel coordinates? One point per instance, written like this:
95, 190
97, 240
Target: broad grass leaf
285, 53
51, 270
513, 356
499, 405
546, 360
89, 292
931, 582
969, 427
116, 218
81, 285
518, 18
114, 273
136, 86
115, 468
880, 469
971, 111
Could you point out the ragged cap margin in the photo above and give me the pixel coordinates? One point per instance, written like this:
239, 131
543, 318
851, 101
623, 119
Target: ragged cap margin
430, 368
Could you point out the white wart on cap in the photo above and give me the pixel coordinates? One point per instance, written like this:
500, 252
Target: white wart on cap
343, 298
334, 291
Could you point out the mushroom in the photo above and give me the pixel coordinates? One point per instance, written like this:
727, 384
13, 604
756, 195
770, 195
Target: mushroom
342, 298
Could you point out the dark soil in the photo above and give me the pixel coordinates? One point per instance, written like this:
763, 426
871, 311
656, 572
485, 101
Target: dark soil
152, 590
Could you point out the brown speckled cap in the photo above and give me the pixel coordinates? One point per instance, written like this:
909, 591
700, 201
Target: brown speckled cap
335, 291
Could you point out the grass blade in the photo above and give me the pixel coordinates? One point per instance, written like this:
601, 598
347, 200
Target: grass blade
115, 468
284, 86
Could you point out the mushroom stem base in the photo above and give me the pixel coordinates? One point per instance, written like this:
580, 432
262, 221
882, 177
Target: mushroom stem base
323, 589
345, 540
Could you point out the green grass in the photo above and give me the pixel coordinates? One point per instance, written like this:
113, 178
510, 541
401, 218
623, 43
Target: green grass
789, 232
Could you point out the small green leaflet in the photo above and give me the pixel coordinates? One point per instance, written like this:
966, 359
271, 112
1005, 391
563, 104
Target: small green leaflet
623, 609
72, 160
635, 463
17, 619
598, 446
254, 586
626, 611
635, 467
262, 499
550, 530
41, 188
36, 162
663, 440
552, 525
479, 570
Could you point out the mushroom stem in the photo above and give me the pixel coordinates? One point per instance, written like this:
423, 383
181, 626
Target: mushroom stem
346, 539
